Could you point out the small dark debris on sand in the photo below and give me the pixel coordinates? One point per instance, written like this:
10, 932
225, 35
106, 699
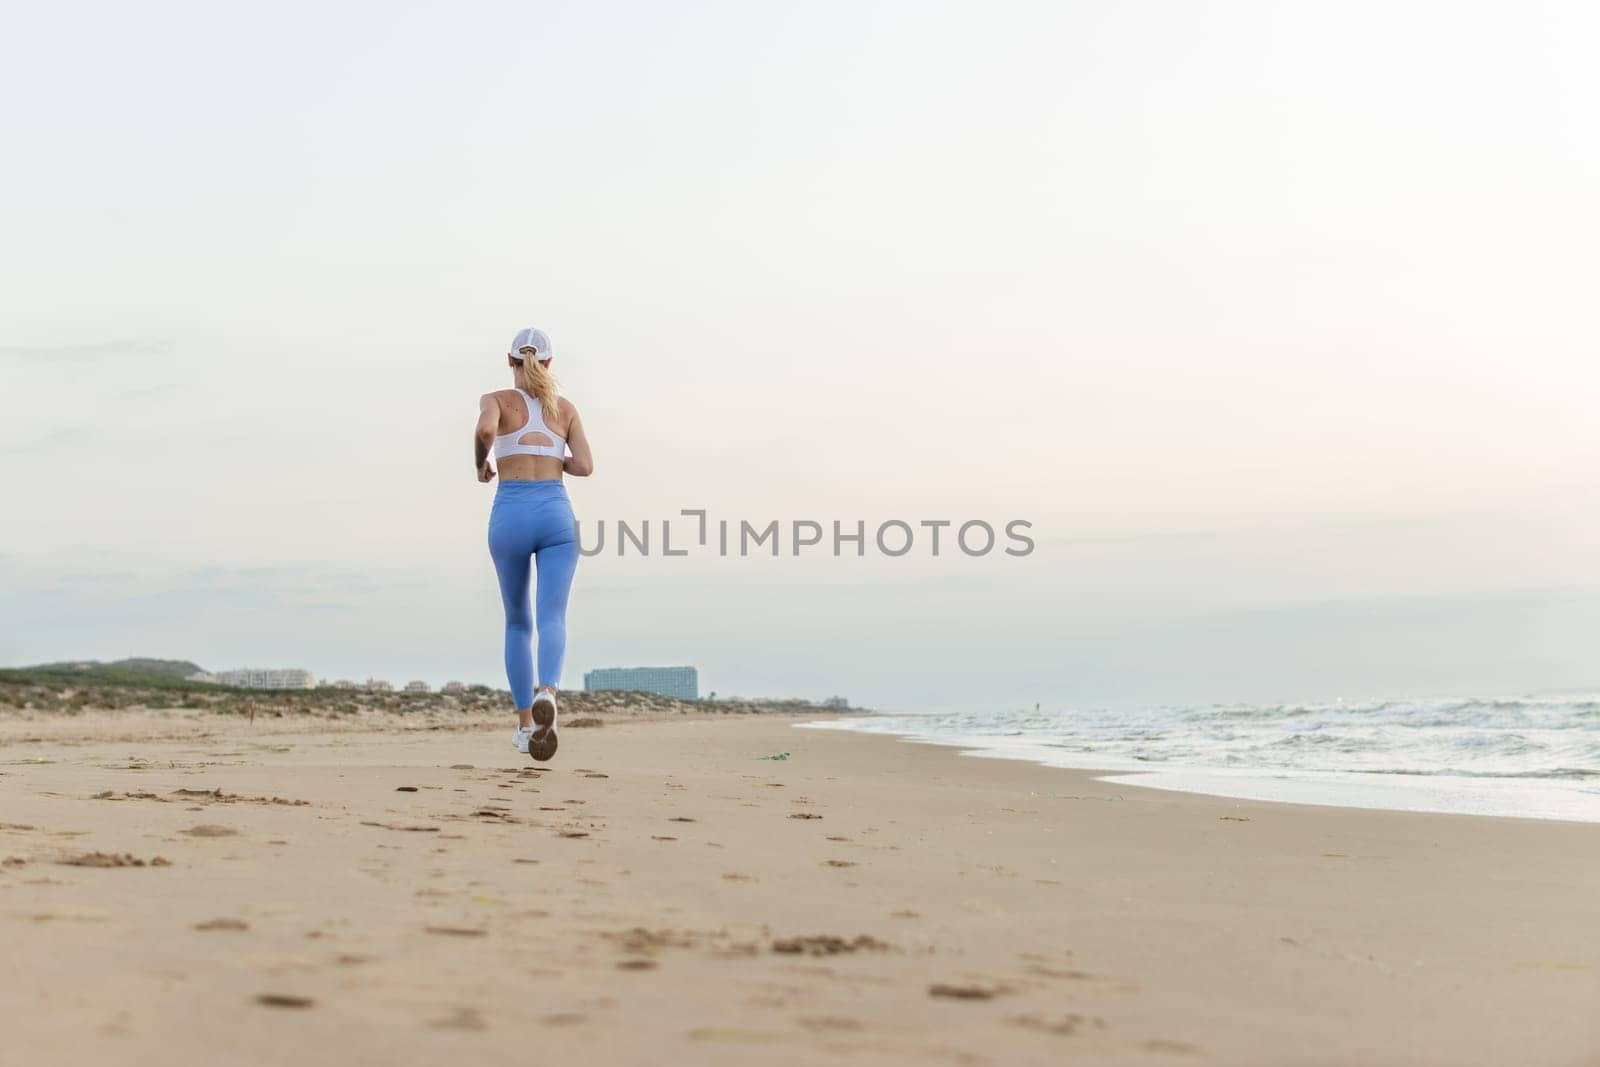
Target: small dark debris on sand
222, 924
596, 774
392, 826
640, 941
209, 830
462, 767
405, 789
636, 965
574, 833
828, 945
680, 818
220, 797
284, 1000
804, 815
456, 931
113, 859
840, 863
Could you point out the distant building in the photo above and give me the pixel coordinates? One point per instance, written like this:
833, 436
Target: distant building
837, 703
378, 685
453, 687
680, 682
344, 683
418, 687
291, 678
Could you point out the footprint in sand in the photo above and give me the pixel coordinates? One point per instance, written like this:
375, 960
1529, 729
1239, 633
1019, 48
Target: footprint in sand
831, 1022
284, 1000
462, 1018
964, 992
637, 965
1061, 1025
828, 945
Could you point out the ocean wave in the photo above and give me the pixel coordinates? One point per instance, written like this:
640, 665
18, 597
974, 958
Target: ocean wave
1517, 738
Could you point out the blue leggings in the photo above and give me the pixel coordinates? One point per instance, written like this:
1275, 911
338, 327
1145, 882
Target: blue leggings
533, 519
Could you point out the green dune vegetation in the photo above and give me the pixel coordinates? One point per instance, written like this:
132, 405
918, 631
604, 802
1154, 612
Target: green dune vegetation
157, 684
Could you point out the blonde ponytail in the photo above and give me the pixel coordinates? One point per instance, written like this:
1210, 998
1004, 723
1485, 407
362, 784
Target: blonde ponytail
535, 379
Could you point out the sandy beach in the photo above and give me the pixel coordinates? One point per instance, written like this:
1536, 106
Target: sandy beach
183, 891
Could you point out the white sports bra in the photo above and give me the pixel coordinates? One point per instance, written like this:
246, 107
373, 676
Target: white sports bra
507, 444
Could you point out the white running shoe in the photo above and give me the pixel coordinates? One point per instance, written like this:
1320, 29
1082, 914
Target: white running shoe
519, 740
542, 741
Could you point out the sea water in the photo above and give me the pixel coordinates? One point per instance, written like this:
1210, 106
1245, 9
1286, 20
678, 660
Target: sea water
1530, 757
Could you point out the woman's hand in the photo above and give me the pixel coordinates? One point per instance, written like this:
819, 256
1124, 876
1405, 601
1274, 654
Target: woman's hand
485, 472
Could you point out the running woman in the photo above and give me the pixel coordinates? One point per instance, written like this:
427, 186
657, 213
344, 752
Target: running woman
530, 429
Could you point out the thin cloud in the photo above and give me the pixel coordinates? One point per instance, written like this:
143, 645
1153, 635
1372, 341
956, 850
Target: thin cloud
85, 353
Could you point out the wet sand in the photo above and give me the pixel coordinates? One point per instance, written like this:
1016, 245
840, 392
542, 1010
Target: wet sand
213, 891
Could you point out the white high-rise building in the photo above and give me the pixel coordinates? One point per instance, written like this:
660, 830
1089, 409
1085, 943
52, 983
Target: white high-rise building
287, 678
680, 682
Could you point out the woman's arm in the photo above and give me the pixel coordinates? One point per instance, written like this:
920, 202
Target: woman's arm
483, 436
581, 463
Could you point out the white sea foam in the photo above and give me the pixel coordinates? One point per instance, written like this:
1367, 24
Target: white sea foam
1531, 757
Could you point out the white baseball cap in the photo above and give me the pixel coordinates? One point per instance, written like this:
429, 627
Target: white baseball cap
534, 338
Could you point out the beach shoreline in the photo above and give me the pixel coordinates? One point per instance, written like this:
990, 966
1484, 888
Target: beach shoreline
418, 893
1477, 797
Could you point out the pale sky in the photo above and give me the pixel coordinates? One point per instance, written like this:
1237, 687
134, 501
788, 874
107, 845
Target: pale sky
1277, 321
